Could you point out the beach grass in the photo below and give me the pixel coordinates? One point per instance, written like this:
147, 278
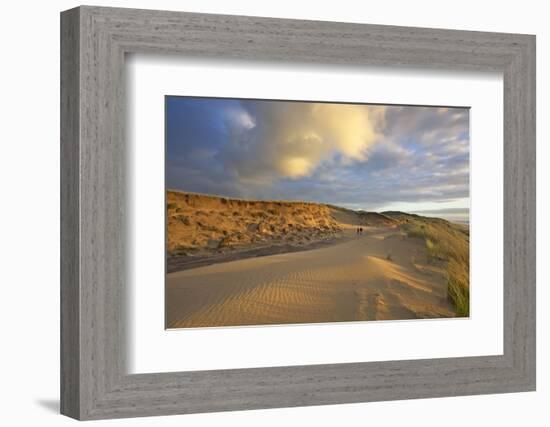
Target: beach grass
449, 243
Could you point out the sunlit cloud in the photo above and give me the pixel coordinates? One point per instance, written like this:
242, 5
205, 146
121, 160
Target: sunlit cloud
291, 140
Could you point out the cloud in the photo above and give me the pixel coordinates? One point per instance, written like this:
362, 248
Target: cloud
240, 118
363, 156
292, 139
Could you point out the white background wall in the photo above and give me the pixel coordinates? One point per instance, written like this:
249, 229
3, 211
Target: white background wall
29, 224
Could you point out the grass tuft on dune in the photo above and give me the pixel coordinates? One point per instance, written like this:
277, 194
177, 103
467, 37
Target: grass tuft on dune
448, 243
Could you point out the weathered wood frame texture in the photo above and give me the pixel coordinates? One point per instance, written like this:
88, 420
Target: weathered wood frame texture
94, 41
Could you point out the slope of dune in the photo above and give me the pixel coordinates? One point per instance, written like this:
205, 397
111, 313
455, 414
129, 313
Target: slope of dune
376, 219
237, 262
199, 223
203, 229
447, 243
350, 281
359, 218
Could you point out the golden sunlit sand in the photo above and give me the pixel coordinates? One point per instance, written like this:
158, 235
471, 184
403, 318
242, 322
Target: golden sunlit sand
227, 269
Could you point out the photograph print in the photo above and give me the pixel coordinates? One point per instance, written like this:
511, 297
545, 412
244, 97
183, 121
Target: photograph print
300, 212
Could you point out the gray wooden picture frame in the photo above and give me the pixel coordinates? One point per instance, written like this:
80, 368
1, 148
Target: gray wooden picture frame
94, 381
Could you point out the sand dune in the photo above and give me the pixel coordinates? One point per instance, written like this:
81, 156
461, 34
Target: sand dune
350, 281
239, 262
206, 229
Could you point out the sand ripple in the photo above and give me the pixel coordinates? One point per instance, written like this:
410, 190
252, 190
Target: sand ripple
350, 281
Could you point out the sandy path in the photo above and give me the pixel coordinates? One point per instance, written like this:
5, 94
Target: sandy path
349, 281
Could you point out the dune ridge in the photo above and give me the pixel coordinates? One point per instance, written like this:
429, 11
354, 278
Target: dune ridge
204, 229
200, 224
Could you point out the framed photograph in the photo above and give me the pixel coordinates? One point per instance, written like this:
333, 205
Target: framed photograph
262, 213
290, 212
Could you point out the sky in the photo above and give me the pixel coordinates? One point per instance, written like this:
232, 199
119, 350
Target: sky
371, 157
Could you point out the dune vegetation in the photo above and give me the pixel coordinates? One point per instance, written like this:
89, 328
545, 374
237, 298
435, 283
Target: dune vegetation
446, 243
201, 224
